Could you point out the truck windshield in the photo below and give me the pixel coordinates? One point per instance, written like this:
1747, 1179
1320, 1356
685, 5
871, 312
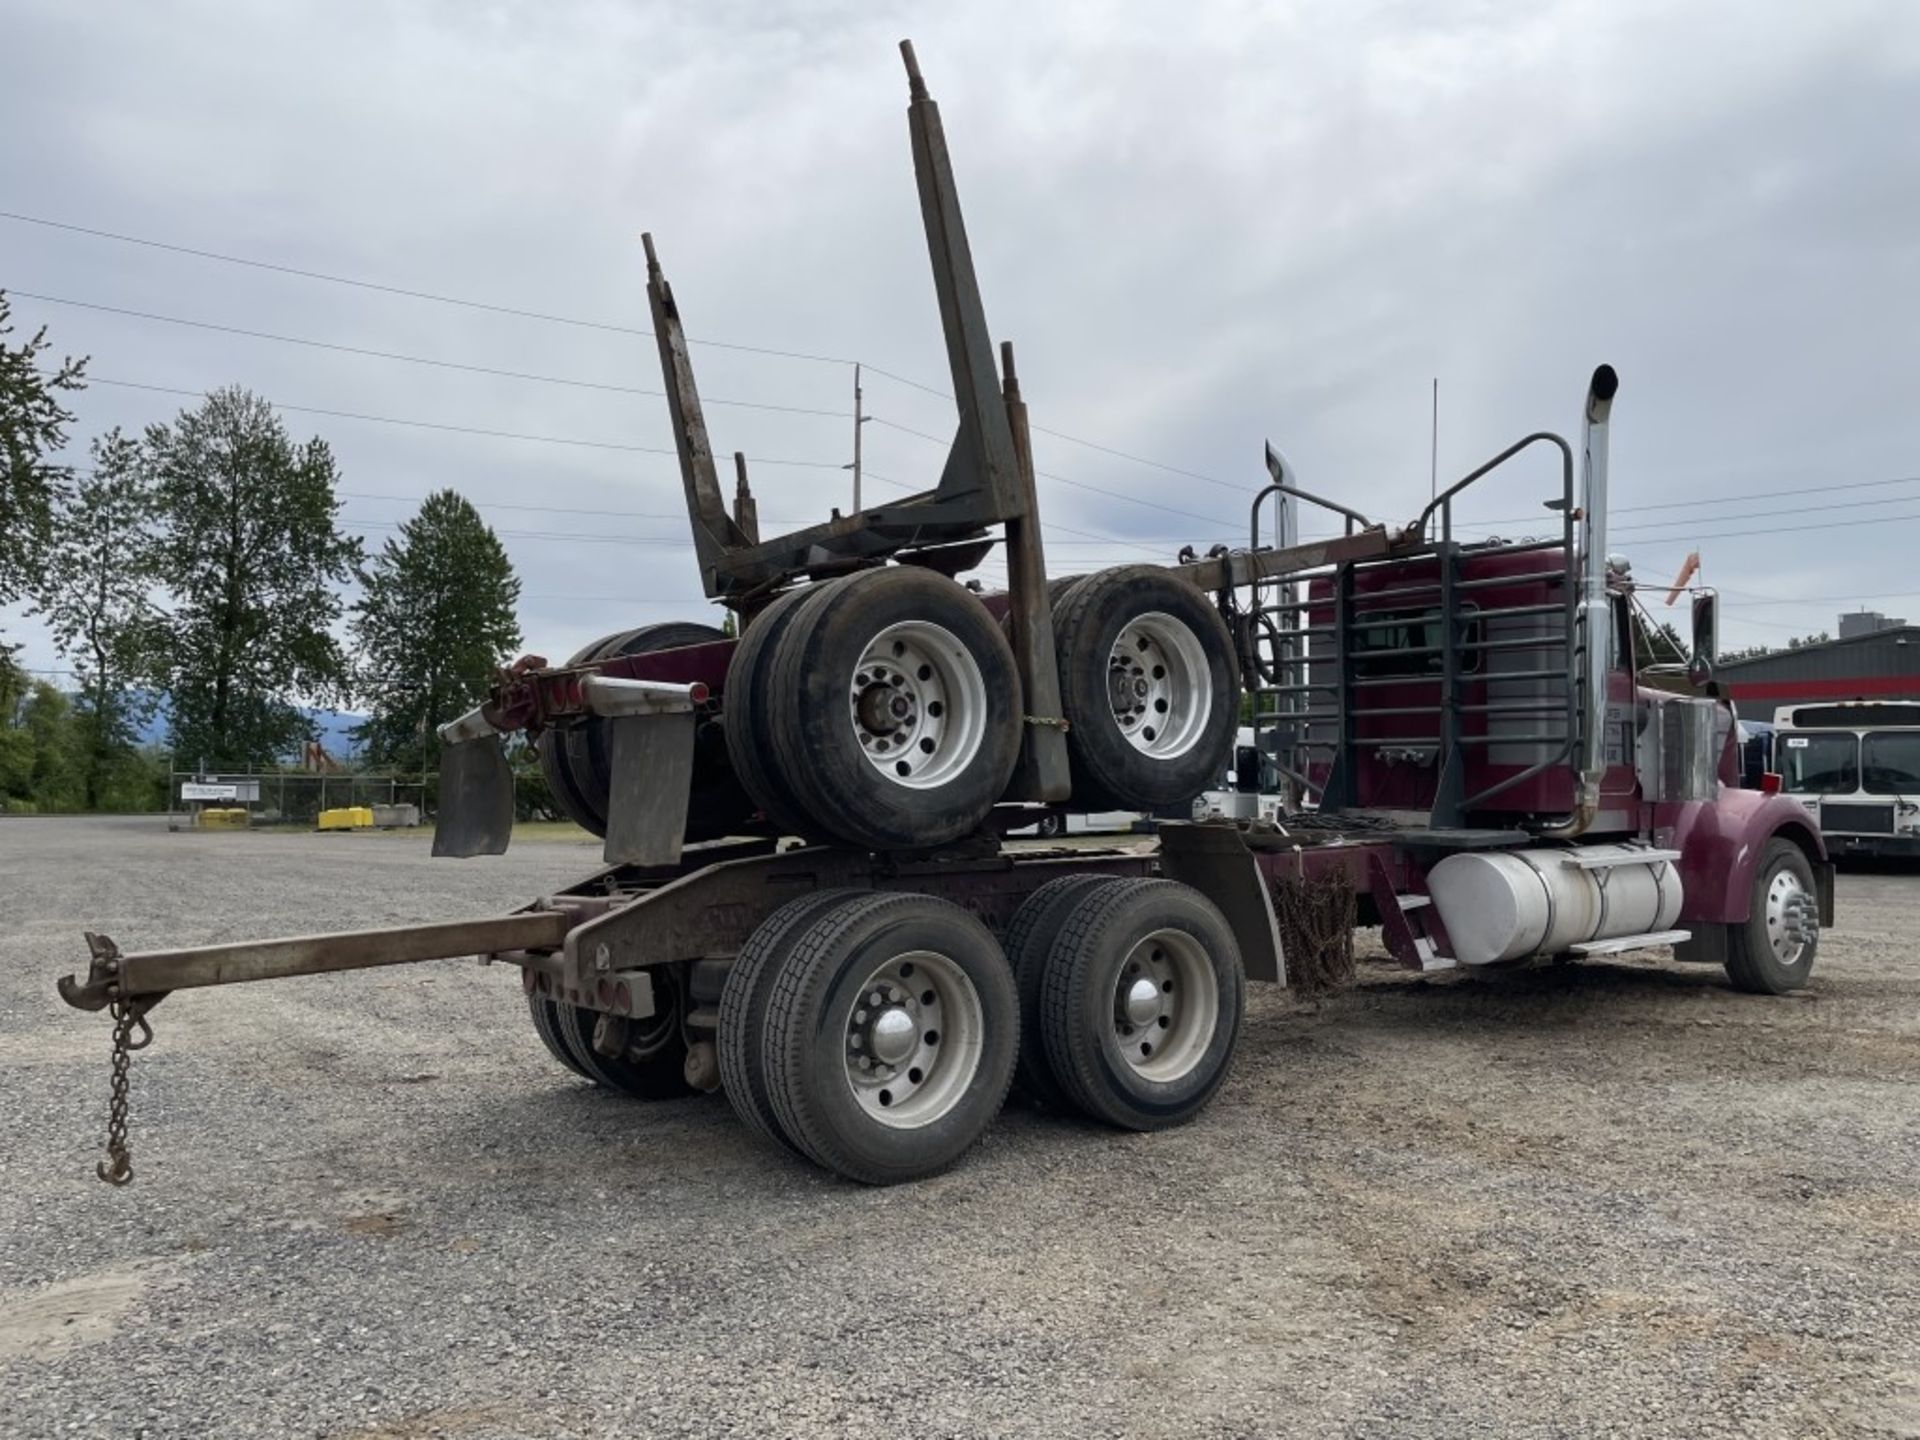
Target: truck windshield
1818, 764
1891, 761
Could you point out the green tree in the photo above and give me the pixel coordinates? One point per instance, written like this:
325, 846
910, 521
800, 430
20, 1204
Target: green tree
100, 572
251, 550
33, 426
435, 619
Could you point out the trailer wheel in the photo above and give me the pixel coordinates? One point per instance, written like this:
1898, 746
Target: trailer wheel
890, 1036
895, 709
546, 1024
749, 727
654, 1065
718, 804
743, 1009
1142, 1002
1029, 940
1149, 682
1773, 952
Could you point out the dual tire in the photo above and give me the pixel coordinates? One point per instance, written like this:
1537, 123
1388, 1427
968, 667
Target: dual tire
576, 759
881, 710
652, 1053
877, 1034
874, 1034
1132, 995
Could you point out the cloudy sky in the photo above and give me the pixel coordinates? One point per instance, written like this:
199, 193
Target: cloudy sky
1203, 225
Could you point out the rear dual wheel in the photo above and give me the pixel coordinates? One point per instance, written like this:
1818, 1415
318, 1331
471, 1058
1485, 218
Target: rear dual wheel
1138, 1004
649, 1059
874, 1034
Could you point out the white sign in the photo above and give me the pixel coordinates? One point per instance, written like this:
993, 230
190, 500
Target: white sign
220, 790
1796, 742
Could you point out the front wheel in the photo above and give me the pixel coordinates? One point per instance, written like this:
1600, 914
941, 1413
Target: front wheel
1773, 951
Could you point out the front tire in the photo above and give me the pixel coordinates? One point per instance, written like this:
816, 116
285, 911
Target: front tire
1773, 952
652, 1065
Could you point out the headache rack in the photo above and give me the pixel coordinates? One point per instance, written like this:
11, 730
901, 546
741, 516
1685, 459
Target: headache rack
1464, 661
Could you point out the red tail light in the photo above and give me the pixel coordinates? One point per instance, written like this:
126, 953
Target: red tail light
1769, 782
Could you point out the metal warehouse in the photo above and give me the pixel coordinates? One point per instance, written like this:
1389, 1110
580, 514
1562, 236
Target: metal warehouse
1880, 665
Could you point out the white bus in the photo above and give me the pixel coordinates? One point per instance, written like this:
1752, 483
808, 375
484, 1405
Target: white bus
1855, 765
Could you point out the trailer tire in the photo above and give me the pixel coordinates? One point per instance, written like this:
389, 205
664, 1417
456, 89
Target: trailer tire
557, 769
1149, 683
1773, 950
656, 1072
940, 1042
894, 707
717, 805
1135, 959
1028, 941
749, 730
546, 1024
743, 1010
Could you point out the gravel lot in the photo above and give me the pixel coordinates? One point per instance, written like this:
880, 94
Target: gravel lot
1612, 1199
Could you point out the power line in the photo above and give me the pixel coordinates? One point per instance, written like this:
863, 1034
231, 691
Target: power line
456, 429
1800, 491
403, 290
385, 289
414, 359
368, 353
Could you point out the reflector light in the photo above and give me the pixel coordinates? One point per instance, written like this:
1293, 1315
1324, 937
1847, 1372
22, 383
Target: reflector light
1769, 782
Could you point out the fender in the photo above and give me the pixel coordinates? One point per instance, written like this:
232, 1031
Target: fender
1720, 844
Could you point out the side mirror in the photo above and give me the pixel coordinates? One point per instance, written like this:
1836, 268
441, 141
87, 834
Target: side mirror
1706, 637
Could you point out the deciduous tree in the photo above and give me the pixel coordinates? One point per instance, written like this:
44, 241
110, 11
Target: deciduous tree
33, 428
251, 551
435, 618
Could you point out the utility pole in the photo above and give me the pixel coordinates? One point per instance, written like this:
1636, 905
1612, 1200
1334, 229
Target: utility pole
1433, 463
858, 421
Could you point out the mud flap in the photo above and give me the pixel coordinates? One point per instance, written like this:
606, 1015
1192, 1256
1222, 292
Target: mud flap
652, 780
1215, 860
476, 799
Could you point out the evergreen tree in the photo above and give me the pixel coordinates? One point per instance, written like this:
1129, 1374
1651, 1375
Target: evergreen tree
95, 596
434, 621
33, 426
251, 550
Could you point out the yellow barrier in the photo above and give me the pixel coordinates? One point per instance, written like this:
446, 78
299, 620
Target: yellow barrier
350, 817
224, 818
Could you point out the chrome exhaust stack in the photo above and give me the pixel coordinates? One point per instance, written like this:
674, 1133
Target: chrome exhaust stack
1596, 614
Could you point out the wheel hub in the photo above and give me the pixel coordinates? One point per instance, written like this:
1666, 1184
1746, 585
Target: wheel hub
1160, 685
1793, 921
918, 705
894, 1035
913, 1039
1166, 1005
1142, 1004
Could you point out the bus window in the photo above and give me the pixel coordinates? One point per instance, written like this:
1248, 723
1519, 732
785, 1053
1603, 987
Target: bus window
1891, 762
1818, 764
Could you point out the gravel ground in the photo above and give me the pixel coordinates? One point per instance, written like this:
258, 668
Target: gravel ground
1610, 1199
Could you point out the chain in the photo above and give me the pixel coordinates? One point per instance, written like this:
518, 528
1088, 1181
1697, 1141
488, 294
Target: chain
117, 1168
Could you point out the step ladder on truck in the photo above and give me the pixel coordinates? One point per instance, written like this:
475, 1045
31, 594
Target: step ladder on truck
1481, 765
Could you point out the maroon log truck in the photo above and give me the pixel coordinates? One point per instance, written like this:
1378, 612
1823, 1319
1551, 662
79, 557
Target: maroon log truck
1480, 760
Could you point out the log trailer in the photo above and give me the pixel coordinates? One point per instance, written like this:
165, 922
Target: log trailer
1487, 769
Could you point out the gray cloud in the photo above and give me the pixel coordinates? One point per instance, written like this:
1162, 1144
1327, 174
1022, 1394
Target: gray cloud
1201, 226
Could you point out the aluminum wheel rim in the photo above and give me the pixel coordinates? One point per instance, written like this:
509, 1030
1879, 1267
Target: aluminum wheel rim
913, 1039
1166, 1006
1160, 685
1792, 920
918, 704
